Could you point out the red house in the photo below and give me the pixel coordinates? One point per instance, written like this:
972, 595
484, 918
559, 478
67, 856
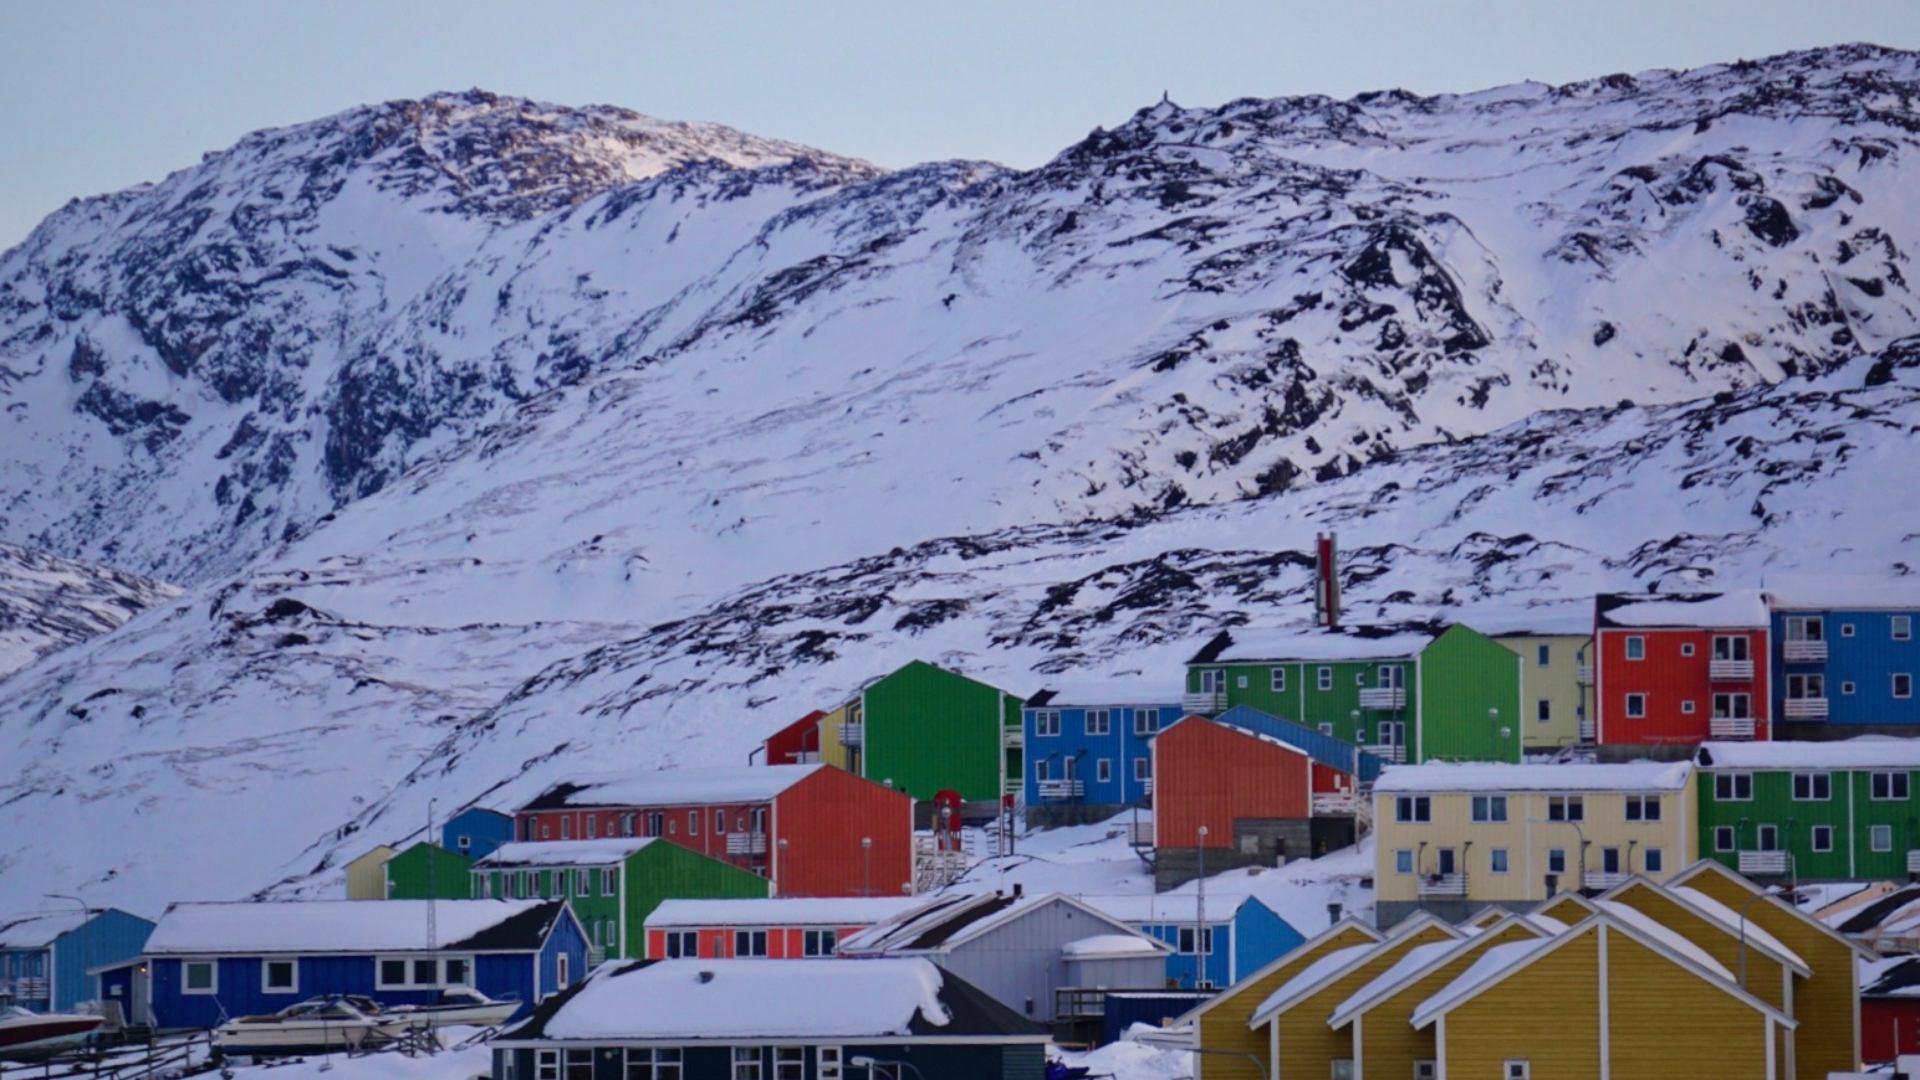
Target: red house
796, 744
1253, 795
777, 929
1680, 668
813, 830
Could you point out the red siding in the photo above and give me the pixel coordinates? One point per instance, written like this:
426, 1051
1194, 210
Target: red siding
1888, 1026
1670, 678
785, 747
1209, 774
678, 827
1326, 779
823, 819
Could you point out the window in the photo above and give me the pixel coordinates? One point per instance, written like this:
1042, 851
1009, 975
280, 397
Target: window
566, 828
1278, 678
1241, 680
560, 980
1812, 787
609, 877
1543, 656
1731, 647
422, 972
1609, 860
1846, 689
1326, 678
1686, 648
1654, 860
463, 842
199, 977
1846, 629
1413, 808
1359, 678
483, 886
1557, 860
1566, 808
720, 823
1733, 787
1403, 861
1424, 1069
1636, 647
1543, 710
1643, 808
1146, 721
1518, 1069
1326, 729
746, 1063
1142, 769
826, 1063
1636, 706
1187, 938
1046, 722
279, 977
693, 823
593, 826
682, 943
1103, 771
1768, 837
579, 1065
426, 972
1889, 785
789, 1063
658, 1063
1040, 771
1902, 684
1733, 706
1497, 860
1489, 808
1902, 627
546, 1064
1723, 838
1823, 838
749, 943
393, 973
818, 943
1686, 708
1099, 722
1880, 837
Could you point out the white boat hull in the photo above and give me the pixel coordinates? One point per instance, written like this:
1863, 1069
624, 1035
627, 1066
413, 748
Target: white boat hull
268, 1038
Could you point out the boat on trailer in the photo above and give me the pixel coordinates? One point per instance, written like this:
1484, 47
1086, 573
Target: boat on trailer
459, 1005
316, 1026
26, 1034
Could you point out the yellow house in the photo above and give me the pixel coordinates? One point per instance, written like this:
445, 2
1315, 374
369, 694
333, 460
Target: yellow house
832, 751
1295, 1015
1828, 1002
367, 875
1556, 684
1452, 838
1613, 998
1226, 1046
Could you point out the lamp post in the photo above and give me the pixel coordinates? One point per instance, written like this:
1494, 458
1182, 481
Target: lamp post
1200, 912
52, 961
1577, 831
866, 866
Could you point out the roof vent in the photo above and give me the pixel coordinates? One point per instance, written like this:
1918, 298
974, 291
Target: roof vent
706, 976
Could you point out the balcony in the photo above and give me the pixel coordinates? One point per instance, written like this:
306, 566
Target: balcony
1596, 879
807, 757
1443, 885
1731, 727
1062, 789
1206, 702
1763, 862
1015, 738
1730, 670
1335, 804
852, 734
1394, 754
1583, 674
1803, 652
1913, 862
1146, 786
1384, 697
1805, 708
1140, 833
741, 843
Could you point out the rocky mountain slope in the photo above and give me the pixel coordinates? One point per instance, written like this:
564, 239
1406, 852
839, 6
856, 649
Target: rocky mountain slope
48, 603
571, 471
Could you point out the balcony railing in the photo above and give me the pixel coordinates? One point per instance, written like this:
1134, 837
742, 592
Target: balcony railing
1395, 754
1146, 786
1062, 789
1600, 880
1730, 670
1335, 804
26, 988
1140, 833
1805, 708
852, 734
807, 757
1016, 737
1443, 885
1206, 702
1803, 652
1763, 862
741, 843
1731, 727
1583, 674
1913, 861
1384, 697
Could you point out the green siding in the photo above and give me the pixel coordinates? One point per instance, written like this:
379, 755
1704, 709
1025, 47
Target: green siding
429, 872
667, 871
1305, 703
1464, 673
927, 729
1773, 804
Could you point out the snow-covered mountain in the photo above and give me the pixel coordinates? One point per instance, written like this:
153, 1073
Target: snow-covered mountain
497, 440
48, 603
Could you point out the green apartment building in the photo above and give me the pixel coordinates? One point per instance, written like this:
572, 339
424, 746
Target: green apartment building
428, 871
1811, 810
924, 729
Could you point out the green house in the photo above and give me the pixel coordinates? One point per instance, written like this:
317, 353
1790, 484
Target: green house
1419, 695
1811, 810
428, 872
612, 884
925, 729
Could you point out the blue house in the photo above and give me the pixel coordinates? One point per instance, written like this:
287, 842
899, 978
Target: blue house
45, 956
1328, 750
1844, 655
1239, 934
209, 962
476, 831
1087, 748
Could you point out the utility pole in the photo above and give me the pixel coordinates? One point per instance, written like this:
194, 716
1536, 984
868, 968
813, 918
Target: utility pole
433, 925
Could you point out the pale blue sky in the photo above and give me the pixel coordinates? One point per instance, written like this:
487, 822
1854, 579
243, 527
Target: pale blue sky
97, 96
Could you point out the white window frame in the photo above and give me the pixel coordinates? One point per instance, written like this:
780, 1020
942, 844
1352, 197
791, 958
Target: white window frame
693, 823
1846, 629
1489, 809
827, 1063
1413, 809
1425, 1069
785, 1056
1635, 706
1734, 782
1403, 860
1498, 861
546, 1065
1725, 838
675, 944
439, 961
1543, 656
1146, 720
1142, 768
1643, 808
1636, 644
1732, 705
1569, 807
1185, 938
1687, 707
1324, 678
1277, 680
1103, 771
1557, 860
609, 880
654, 1060
213, 981
1653, 860
1813, 782
747, 1063
1517, 1069
748, 936
1874, 834
1103, 727
1342, 1069
1814, 838
1899, 785
1686, 648
1046, 723
1846, 688
1901, 627
266, 965
1901, 684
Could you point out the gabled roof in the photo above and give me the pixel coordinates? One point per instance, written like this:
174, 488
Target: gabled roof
1324, 971
1347, 925
1859, 752
1175, 908
1842, 592
1742, 610
38, 929
1328, 750
352, 926
602, 852
1237, 729
673, 787
834, 911
1421, 960
1713, 866
1313, 643
940, 927
1144, 692
1728, 920
1496, 777
692, 1000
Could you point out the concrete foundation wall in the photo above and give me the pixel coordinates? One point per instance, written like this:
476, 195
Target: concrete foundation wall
1256, 842
1058, 815
1389, 913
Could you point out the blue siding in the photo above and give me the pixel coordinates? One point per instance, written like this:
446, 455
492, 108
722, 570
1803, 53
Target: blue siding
1121, 746
1183, 969
1868, 660
566, 940
1242, 945
483, 830
109, 937
1260, 937
1325, 749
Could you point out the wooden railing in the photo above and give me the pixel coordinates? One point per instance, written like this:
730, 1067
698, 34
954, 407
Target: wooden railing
1803, 652
1384, 697
1062, 789
1763, 862
1730, 670
1731, 727
1206, 702
852, 734
746, 843
1335, 803
1805, 708
1443, 885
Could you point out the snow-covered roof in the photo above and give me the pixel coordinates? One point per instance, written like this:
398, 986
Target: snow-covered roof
1311, 976
1745, 609
833, 911
329, 926
1105, 946
1860, 752
37, 929
1664, 934
1309, 643
675, 787
1057, 694
1573, 776
1890, 976
1415, 960
947, 923
1150, 908
1530, 620
600, 852
1730, 920
1861, 592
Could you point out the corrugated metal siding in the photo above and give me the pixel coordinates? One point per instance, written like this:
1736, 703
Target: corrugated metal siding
1260, 936
1463, 675
240, 994
669, 872
1120, 747
1185, 970
791, 744
1670, 679
482, 829
1851, 811
1021, 962
1867, 659
426, 871
1224, 1025
1557, 683
1303, 702
1327, 749
928, 729
823, 819
1209, 774
1307, 1045
367, 875
107, 938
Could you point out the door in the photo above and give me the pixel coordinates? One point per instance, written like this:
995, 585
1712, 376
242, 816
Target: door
1769, 838
1445, 861
1610, 860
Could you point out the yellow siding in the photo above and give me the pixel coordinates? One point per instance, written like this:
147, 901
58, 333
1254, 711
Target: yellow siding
367, 875
1567, 907
1721, 1037
1547, 1013
1389, 1044
1558, 683
1827, 1005
1224, 1025
1527, 837
1764, 976
831, 752
1308, 1046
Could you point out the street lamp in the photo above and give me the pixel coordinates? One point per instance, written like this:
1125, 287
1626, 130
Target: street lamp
1200, 912
866, 866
